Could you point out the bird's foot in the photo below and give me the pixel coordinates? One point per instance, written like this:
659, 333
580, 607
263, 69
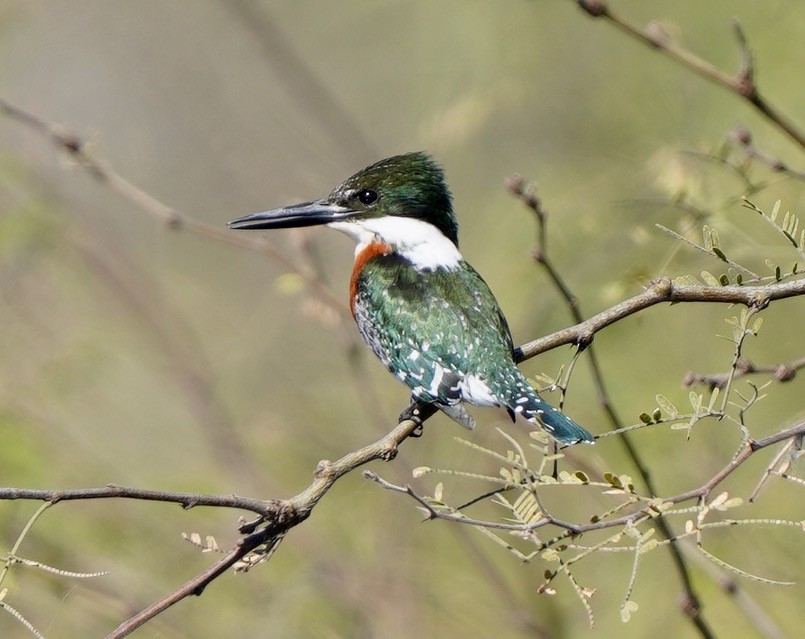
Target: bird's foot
417, 412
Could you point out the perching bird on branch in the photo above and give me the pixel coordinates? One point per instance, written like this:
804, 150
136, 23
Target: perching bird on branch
422, 309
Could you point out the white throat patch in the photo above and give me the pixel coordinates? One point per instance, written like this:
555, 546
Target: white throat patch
419, 242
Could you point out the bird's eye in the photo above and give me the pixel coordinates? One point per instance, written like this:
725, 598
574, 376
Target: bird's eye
367, 196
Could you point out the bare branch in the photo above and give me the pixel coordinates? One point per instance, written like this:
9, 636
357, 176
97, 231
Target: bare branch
641, 514
277, 517
743, 138
194, 586
742, 84
282, 515
186, 500
691, 604
171, 218
657, 292
743, 367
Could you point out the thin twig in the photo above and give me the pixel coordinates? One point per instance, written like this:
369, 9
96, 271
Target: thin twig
743, 137
742, 84
754, 612
312, 96
657, 292
780, 372
285, 514
642, 514
185, 500
691, 605
171, 218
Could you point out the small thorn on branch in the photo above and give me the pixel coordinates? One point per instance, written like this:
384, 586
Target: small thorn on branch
742, 137
745, 80
69, 141
782, 373
524, 191
596, 8
785, 373
323, 469
174, 221
690, 605
658, 35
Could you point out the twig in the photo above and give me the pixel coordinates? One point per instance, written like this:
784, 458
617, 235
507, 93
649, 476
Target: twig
743, 137
691, 603
748, 449
283, 515
742, 84
194, 586
659, 291
743, 367
779, 465
299, 80
185, 500
171, 218
275, 517
278, 516
754, 612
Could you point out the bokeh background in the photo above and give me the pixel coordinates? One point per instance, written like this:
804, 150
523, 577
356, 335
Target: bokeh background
148, 357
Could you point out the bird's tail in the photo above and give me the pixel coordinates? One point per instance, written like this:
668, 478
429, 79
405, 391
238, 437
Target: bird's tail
558, 425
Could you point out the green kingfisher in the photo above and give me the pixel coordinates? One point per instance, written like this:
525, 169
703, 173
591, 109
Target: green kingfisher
422, 309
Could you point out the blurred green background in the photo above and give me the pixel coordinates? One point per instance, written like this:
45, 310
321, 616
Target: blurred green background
135, 355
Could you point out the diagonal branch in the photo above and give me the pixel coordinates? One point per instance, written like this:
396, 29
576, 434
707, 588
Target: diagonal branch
742, 84
657, 292
270, 528
171, 218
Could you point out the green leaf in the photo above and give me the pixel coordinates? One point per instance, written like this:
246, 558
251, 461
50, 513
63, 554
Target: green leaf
713, 398
720, 254
695, 402
549, 554
686, 280
710, 279
707, 236
649, 545
666, 406
566, 478
627, 609
582, 477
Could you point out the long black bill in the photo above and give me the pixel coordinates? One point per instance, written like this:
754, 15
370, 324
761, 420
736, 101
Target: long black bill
305, 214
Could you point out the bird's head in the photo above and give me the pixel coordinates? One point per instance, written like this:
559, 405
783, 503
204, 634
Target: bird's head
406, 186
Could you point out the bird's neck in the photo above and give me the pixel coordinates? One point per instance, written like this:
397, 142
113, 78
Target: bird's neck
419, 242
362, 256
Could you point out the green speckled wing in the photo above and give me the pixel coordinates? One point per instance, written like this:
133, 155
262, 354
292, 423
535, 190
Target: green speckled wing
431, 328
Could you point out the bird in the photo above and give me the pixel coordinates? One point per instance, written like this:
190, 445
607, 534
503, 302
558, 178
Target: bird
426, 313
